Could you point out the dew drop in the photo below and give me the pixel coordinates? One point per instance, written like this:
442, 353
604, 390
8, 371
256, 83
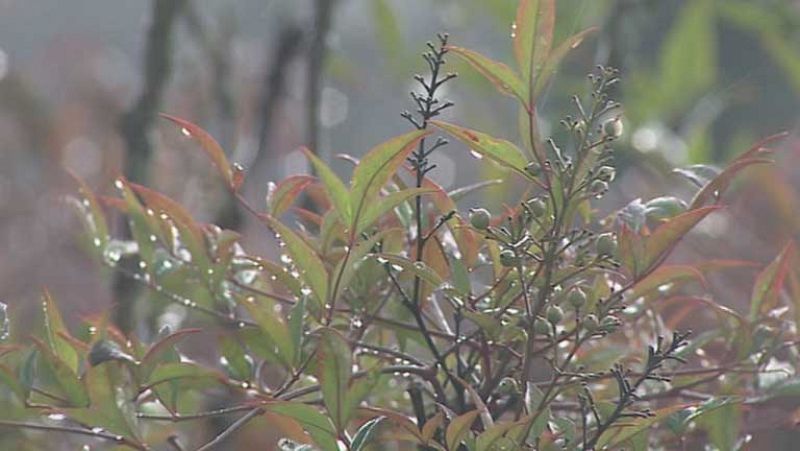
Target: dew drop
118, 183
475, 154
185, 131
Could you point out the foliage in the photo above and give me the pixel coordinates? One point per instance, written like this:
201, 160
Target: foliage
391, 317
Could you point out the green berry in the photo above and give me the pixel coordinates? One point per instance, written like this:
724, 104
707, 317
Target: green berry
606, 173
609, 323
541, 327
590, 322
534, 169
480, 218
508, 258
537, 207
606, 244
613, 128
576, 298
554, 314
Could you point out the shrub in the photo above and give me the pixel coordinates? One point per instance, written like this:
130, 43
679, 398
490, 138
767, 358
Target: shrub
391, 317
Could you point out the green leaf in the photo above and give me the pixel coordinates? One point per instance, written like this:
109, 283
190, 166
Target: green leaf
665, 207
769, 283
617, 435
633, 215
209, 145
281, 196
91, 214
274, 327
503, 77
64, 376
554, 59
534, 397
458, 428
365, 433
237, 363
372, 212
360, 250
334, 188
162, 351
296, 328
10, 380
311, 268
500, 151
335, 369
377, 167
55, 333
317, 425
533, 35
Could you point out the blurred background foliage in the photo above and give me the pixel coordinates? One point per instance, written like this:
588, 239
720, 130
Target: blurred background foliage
80, 83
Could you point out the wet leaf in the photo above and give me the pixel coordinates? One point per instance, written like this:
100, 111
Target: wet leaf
769, 283
385, 204
334, 187
419, 269
65, 377
317, 425
209, 145
106, 350
282, 195
335, 369
365, 433
55, 333
553, 61
458, 428
503, 77
533, 35
502, 152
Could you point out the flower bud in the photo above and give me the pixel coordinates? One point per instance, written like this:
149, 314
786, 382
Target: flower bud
480, 218
590, 322
576, 298
606, 244
612, 128
537, 207
606, 173
508, 258
554, 314
598, 187
541, 327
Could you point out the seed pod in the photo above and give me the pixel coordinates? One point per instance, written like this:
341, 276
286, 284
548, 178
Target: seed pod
613, 128
590, 322
576, 298
606, 173
554, 314
606, 244
508, 258
480, 218
541, 327
537, 207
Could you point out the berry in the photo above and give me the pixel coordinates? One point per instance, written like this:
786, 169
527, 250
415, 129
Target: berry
554, 314
480, 218
576, 298
508, 258
541, 327
606, 244
590, 322
613, 128
537, 207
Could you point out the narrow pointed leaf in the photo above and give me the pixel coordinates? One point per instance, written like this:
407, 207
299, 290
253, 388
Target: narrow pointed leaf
666, 236
209, 145
554, 59
365, 434
533, 35
317, 425
769, 283
280, 198
334, 187
458, 428
373, 211
56, 331
335, 368
503, 77
502, 152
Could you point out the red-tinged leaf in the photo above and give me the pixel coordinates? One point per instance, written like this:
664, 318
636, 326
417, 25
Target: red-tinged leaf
191, 234
311, 268
720, 310
12, 382
209, 145
533, 35
432, 425
714, 189
376, 168
143, 226
554, 59
398, 420
175, 371
760, 147
317, 425
335, 367
91, 214
459, 428
56, 333
335, 189
359, 252
769, 283
631, 250
282, 195
664, 275
166, 345
502, 152
664, 238
503, 77
385, 204
715, 265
